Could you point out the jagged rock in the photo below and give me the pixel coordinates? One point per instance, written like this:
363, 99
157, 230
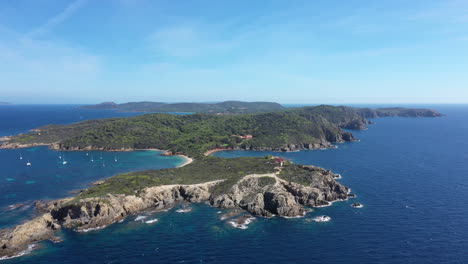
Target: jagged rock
281, 197
261, 195
17, 239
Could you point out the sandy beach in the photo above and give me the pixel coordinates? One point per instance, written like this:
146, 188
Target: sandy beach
187, 161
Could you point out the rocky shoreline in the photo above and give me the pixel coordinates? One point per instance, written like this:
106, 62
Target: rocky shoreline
264, 195
286, 148
347, 137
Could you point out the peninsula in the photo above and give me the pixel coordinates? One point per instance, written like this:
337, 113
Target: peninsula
265, 186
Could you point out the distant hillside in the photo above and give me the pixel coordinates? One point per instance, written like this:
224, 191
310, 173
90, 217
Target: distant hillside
356, 118
228, 107
396, 111
4, 103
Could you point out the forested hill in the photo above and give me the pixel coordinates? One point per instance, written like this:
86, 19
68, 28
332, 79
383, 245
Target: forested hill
291, 129
356, 118
396, 111
228, 107
191, 134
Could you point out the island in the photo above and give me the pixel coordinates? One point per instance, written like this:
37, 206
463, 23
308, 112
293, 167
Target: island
4, 103
260, 186
222, 108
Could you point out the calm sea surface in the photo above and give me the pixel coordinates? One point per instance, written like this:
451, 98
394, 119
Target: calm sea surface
48, 177
411, 174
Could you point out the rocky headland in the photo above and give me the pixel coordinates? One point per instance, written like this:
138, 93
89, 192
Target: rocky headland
267, 194
263, 187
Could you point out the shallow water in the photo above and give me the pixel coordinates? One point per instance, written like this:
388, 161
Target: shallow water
410, 174
48, 177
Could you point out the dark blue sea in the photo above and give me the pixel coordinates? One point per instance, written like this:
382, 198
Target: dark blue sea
411, 174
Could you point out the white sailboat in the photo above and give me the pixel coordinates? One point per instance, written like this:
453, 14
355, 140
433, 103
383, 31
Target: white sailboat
64, 162
92, 159
115, 158
21, 156
28, 163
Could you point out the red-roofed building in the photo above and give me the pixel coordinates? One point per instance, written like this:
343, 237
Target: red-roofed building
279, 160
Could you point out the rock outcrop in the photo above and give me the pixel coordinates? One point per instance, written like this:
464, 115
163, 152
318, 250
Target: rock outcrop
268, 195
17, 239
96, 213
261, 195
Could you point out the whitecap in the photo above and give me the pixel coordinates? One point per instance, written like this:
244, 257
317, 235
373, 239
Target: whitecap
322, 218
324, 205
241, 224
152, 221
184, 210
140, 218
90, 229
22, 253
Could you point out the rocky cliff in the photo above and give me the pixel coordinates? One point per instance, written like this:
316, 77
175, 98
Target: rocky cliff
259, 194
268, 195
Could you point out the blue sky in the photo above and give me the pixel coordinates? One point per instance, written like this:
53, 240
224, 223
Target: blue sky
88, 51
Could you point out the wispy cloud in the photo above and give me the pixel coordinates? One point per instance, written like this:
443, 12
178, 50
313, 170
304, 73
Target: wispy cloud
58, 19
188, 40
32, 66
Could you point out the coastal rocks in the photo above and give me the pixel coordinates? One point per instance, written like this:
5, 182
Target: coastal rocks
242, 221
6, 138
347, 136
264, 195
16, 145
357, 205
15, 206
61, 146
18, 239
294, 147
358, 124
267, 195
230, 214
97, 212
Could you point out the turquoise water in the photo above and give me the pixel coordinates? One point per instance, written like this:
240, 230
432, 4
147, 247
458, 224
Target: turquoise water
48, 177
410, 174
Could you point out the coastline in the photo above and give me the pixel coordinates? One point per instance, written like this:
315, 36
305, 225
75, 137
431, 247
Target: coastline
322, 147
93, 213
187, 161
212, 151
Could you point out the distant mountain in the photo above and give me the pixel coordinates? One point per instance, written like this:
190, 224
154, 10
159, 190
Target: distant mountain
228, 107
4, 103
